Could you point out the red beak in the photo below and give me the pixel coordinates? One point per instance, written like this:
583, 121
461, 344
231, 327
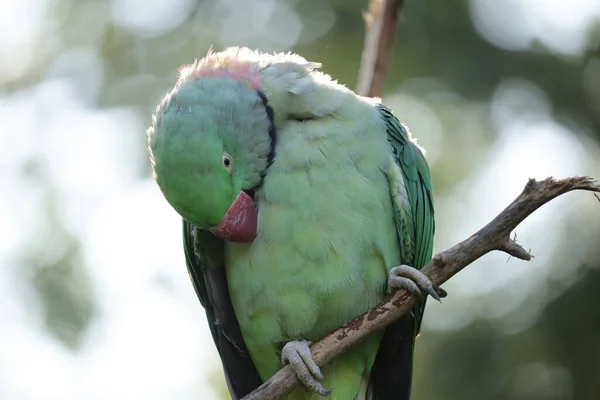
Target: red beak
240, 221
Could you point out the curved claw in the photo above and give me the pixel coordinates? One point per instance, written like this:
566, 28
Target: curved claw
297, 354
413, 280
433, 293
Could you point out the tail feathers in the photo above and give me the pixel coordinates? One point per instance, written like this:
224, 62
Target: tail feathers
391, 376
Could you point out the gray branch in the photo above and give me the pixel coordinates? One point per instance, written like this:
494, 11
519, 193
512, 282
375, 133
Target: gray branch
380, 22
380, 30
443, 266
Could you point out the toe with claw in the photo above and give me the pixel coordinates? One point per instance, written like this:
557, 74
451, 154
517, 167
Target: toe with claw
413, 280
297, 354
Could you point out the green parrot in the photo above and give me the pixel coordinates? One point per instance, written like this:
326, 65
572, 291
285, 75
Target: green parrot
303, 205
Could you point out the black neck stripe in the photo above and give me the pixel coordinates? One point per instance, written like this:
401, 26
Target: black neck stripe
272, 132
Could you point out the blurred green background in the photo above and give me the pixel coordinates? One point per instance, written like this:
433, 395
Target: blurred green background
95, 301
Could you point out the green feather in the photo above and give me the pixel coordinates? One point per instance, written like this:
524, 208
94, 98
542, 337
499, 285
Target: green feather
417, 182
346, 198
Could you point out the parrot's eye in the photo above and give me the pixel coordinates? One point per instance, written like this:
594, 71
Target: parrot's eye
227, 161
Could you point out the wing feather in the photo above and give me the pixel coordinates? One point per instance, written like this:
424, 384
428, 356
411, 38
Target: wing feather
411, 191
204, 254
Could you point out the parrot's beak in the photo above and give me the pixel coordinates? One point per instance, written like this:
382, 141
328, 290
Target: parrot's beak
240, 221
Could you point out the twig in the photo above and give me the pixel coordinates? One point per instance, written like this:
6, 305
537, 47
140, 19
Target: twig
494, 236
380, 23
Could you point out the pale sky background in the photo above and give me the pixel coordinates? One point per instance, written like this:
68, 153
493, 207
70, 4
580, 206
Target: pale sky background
150, 340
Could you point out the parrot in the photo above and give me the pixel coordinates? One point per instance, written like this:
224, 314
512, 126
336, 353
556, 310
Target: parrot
303, 206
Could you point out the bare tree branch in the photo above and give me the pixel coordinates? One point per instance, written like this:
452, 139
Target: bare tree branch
380, 23
380, 29
444, 265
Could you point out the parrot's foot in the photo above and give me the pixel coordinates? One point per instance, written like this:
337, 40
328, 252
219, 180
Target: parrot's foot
298, 355
413, 280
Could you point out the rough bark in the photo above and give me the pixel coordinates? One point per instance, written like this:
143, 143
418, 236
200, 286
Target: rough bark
444, 265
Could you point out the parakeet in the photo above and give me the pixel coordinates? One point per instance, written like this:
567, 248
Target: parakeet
303, 205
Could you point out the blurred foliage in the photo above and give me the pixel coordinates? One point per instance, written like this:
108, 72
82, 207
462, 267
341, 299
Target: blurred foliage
54, 265
556, 358
437, 49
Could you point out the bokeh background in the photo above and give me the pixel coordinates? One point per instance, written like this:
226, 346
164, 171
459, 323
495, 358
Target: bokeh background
95, 301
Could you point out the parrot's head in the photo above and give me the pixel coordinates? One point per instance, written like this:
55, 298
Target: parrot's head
210, 144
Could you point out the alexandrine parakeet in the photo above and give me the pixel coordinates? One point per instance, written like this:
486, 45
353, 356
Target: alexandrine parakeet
303, 205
